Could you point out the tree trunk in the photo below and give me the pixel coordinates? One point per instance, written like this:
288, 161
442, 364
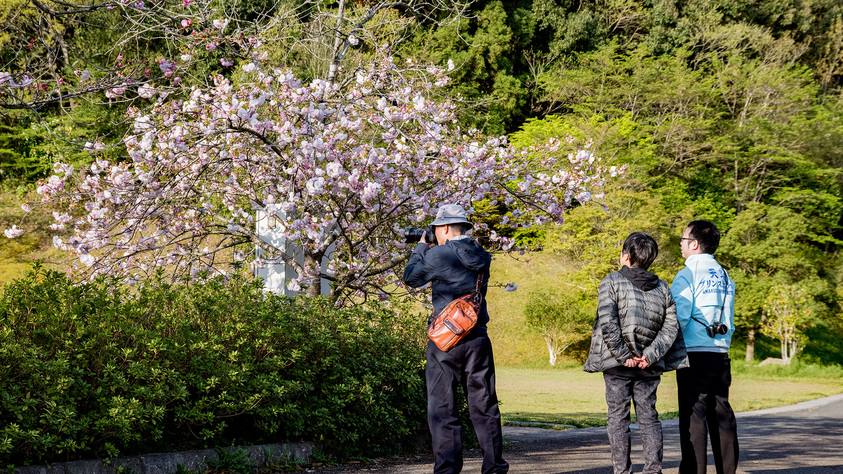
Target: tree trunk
750, 345
338, 40
551, 350
315, 287
786, 350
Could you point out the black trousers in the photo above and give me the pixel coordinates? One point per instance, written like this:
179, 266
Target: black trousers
470, 364
704, 411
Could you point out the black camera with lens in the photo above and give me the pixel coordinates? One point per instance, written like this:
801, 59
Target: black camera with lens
716, 328
412, 235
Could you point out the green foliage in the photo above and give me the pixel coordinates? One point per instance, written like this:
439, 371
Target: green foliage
492, 214
766, 239
92, 370
768, 246
562, 317
798, 368
823, 346
231, 462
593, 236
29, 148
481, 48
787, 311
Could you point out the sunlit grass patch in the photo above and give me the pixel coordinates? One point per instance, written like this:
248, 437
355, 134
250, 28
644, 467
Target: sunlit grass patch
566, 395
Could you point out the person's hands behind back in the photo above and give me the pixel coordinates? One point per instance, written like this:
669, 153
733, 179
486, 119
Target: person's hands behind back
640, 362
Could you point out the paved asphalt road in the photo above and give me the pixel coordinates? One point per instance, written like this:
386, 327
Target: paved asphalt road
806, 438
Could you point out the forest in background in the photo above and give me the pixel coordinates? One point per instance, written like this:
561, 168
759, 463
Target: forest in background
723, 110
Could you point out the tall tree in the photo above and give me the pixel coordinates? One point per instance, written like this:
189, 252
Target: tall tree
787, 311
51, 59
766, 247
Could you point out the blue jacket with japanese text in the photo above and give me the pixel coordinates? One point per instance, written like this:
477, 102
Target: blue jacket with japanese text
700, 290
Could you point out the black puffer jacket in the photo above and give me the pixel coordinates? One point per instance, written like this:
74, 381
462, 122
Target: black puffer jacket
632, 322
452, 268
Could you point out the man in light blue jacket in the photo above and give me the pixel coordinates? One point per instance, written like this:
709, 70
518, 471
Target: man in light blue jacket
705, 302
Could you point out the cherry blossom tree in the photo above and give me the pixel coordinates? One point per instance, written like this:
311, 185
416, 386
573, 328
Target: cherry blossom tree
340, 164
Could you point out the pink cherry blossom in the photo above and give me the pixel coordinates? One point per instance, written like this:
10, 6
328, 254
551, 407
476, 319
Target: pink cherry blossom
166, 66
341, 168
13, 232
115, 92
293, 285
147, 91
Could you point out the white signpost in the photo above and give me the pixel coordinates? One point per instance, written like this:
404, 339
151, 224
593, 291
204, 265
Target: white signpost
275, 273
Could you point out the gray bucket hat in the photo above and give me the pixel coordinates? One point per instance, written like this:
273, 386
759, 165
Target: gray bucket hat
451, 214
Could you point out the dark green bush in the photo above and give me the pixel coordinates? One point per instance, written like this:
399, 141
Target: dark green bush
97, 370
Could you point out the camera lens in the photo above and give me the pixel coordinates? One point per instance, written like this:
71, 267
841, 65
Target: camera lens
711, 330
412, 235
716, 328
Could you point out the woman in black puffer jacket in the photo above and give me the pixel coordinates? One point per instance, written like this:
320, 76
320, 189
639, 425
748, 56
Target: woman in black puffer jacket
636, 337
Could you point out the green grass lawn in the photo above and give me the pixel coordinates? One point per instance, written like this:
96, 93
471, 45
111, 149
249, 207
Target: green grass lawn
567, 395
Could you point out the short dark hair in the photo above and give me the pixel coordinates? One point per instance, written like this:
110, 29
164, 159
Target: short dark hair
641, 248
462, 227
706, 234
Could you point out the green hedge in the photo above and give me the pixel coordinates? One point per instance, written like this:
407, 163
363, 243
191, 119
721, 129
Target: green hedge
101, 370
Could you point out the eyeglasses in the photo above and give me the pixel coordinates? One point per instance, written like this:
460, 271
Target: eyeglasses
685, 238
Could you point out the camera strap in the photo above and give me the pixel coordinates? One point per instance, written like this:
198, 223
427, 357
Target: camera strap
478, 295
725, 292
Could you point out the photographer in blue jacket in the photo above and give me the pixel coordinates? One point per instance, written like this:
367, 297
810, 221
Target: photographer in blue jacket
451, 263
705, 302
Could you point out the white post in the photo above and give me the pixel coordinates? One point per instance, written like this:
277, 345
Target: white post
276, 274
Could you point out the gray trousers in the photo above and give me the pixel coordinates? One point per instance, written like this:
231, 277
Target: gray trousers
619, 392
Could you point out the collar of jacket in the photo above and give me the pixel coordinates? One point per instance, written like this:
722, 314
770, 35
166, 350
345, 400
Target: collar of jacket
642, 279
699, 258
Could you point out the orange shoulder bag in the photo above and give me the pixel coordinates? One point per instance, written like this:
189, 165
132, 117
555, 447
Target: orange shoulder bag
457, 319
